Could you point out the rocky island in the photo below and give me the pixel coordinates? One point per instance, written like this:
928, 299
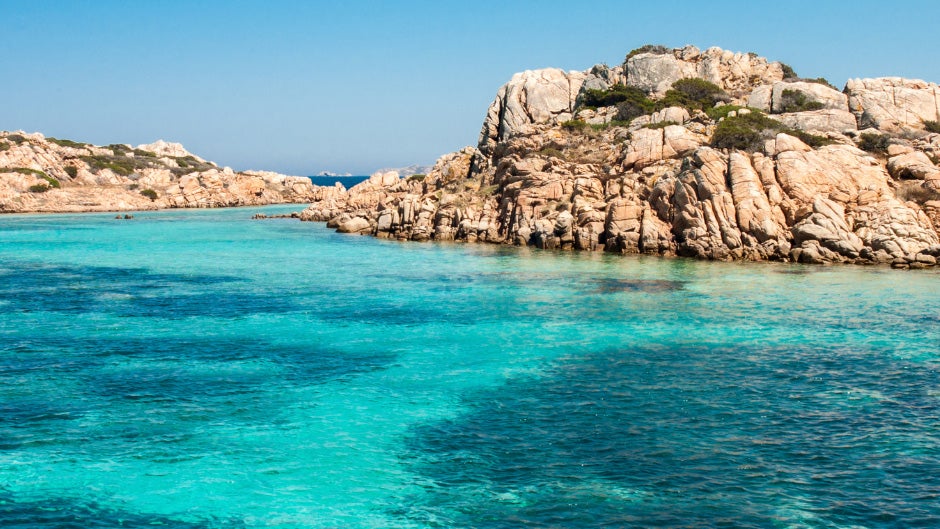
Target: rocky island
39, 174
709, 154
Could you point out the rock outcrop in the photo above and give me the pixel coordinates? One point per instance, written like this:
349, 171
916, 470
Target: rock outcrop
551, 173
39, 174
893, 104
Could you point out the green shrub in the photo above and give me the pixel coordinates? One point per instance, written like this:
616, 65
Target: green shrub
628, 110
149, 193
721, 111
133, 187
189, 164
67, 143
916, 192
693, 94
72, 171
121, 165
418, 177
119, 148
550, 152
618, 93
39, 188
932, 126
17, 139
574, 124
656, 49
874, 143
4, 146
660, 125
747, 132
788, 72
50, 181
796, 101
813, 140
145, 154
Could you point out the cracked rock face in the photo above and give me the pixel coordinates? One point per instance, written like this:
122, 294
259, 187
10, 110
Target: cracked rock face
893, 104
656, 186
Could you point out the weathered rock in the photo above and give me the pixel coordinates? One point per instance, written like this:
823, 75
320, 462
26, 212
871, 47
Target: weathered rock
83, 177
736, 73
772, 98
892, 104
820, 121
530, 97
354, 225
164, 148
914, 164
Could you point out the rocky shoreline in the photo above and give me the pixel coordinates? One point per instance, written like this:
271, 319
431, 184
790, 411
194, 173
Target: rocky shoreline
707, 154
49, 175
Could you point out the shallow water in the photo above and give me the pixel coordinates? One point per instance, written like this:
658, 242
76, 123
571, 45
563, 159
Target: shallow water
198, 369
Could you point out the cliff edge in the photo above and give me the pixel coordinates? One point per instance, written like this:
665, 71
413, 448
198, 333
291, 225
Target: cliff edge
709, 154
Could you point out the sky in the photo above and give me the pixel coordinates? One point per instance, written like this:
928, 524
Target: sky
301, 87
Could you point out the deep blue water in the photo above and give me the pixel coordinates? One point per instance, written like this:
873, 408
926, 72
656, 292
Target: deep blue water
347, 181
197, 369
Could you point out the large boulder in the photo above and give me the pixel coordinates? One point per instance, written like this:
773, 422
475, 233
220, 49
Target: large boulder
736, 73
892, 104
530, 97
827, 120
779, 97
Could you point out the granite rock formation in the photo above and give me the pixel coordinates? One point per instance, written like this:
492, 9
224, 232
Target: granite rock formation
39, 174
550, 172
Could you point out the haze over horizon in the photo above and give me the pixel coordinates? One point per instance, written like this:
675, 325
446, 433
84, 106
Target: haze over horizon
304, 87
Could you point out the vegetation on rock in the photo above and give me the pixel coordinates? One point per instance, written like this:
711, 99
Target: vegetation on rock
656, 49
149, 193
67, 143
118, 164
660, 125
721, 111
932, 126
916, 192
631, 102
574, 124
747, 132
820, 80
874, 143
796, 101
614, 95
693, 94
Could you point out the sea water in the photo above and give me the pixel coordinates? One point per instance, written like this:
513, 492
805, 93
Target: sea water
199, 369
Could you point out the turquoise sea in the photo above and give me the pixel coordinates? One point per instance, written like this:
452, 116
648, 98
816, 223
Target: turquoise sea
197, 369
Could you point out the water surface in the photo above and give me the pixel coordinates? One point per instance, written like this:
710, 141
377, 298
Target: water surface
197, 369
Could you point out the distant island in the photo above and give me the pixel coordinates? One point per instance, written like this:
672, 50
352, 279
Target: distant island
710, 154
40, 174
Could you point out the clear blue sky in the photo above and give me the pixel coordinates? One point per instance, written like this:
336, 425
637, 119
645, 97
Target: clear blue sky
305, 86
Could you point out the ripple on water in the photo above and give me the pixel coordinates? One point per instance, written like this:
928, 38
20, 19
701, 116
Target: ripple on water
199, 370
